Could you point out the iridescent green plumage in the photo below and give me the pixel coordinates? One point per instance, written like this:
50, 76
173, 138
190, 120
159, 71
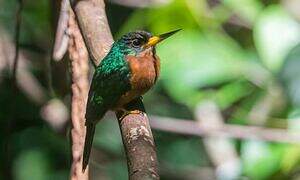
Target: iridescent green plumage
110, 81
128, 71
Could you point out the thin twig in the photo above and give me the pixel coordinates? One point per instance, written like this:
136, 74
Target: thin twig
190, 127
61, 37
17, 39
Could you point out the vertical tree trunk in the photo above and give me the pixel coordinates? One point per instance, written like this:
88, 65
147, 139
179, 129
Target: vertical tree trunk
80, 86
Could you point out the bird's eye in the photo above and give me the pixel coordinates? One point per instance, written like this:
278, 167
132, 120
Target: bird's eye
137, 43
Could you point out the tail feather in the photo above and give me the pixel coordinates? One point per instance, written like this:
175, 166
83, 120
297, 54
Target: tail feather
90, 131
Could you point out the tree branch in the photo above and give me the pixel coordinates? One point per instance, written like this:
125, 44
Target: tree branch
93, 23
80, 86
190, 127
61, 36
135, 130
17, 39
138, 142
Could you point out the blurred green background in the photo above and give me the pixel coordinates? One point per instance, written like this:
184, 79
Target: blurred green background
243, 55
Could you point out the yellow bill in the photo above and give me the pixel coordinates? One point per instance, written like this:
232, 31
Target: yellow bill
156, 39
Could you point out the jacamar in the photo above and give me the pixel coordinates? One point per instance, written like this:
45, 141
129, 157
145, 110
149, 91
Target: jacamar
128, 71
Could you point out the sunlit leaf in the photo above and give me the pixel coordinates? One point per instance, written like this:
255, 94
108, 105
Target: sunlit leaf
232, 92
260, 159
275, 34
290, 158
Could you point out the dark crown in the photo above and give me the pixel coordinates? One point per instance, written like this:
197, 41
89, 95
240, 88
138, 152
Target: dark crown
136, 39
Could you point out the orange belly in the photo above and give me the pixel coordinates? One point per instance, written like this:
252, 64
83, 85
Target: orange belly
144, 72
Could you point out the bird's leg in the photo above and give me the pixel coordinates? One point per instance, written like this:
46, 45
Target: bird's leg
127, 112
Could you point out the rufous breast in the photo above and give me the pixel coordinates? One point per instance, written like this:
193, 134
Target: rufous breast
144, 70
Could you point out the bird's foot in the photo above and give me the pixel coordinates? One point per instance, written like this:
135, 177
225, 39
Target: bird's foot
126, 112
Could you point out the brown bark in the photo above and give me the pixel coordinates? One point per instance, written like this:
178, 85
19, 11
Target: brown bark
139, 147
80, 86
93, 23
135, 130
138, 142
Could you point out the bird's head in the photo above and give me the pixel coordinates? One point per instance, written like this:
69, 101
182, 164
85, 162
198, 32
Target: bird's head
139, 41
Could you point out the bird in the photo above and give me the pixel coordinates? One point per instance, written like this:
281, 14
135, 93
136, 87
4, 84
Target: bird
128, 71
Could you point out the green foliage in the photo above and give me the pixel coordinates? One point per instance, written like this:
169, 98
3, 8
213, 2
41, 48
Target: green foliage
32, 165
261, 159
201, 59
246, 9
290, 75
275, 34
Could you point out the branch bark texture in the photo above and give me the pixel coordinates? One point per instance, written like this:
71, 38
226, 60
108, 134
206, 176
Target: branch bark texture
138, 142
139, 147
135, 130
94, 26
80, 86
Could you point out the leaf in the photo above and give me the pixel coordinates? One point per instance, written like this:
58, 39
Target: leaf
275, 34
290, 75
31, 165
232, 92
291, 158
260, 159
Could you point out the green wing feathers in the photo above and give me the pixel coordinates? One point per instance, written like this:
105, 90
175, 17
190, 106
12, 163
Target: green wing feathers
90, 131
94, 112
110, 82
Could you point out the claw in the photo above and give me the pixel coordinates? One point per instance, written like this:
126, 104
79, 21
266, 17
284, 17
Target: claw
125, 113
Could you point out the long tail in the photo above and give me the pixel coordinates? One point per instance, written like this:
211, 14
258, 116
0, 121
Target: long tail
90, 131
